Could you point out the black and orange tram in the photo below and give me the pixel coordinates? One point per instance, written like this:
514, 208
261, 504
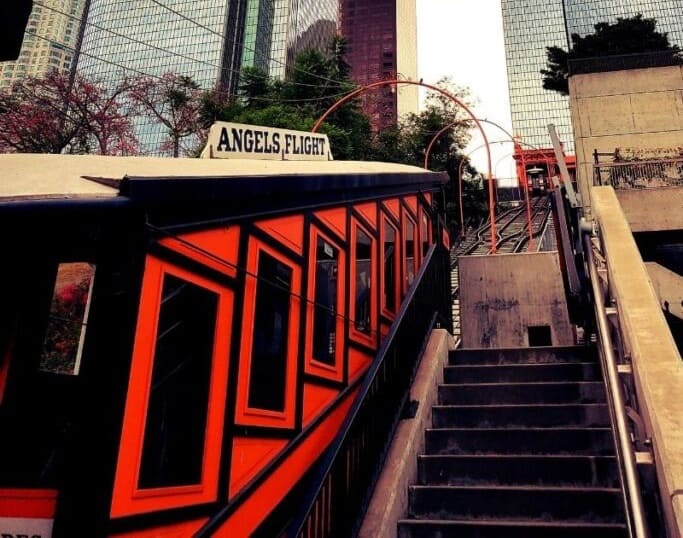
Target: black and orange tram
181, 339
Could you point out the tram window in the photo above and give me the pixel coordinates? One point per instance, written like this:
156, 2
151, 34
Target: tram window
68, 319
363, 266
424, 233
409, 250
325, 298
175, 426
271, 328
389, 258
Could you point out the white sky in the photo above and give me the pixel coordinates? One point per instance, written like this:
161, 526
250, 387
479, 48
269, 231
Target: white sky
463, 39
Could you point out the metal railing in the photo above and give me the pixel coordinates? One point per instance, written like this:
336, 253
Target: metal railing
625, 449
343, 483
640, 174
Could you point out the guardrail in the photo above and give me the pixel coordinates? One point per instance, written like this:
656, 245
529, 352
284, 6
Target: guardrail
624, 437
342, 485
640, 174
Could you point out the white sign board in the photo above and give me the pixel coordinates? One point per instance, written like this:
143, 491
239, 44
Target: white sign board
241, 141
23, 527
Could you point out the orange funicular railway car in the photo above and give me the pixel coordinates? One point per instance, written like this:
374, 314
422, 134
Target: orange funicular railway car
181, 339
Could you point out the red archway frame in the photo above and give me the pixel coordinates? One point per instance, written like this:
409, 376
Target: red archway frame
455, 100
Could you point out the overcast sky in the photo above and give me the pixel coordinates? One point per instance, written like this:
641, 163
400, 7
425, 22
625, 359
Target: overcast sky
464, 39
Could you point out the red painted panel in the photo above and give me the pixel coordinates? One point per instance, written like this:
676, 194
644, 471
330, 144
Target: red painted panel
127, 498
445, 239
393, 207
178, 530
214, 248
28, 503
287, 230
428, 197
359, 362
411, 201
245, 415
316, 400
369, 211
247, 517
335, 219
249, 456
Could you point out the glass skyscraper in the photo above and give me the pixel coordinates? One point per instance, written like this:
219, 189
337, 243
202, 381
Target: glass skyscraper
208, 40
49, 41
532, 25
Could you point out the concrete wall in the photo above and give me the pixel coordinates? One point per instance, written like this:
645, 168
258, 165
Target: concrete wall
657, 365
640, 108
389, 501
502, 295
653, 210
668, 286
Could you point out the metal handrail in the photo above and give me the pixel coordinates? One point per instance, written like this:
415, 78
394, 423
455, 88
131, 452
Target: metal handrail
318, 488
635, 512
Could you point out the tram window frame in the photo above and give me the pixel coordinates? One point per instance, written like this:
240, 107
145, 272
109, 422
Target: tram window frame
408, 218
387, 310
246, 414
128, 497
369, 336
425, 239
334, 370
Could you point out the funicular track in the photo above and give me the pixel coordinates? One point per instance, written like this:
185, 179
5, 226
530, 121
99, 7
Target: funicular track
512, 229
512, 236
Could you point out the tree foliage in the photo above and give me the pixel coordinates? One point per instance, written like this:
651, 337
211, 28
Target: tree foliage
627, 35
174, 101
54, 114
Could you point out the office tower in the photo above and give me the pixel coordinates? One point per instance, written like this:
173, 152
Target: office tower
49, 40
208, 40
532, 25
382, 44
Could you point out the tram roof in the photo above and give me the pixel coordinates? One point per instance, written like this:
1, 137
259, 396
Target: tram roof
26, 176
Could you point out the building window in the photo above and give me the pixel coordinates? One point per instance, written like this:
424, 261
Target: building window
175, 427
271, 331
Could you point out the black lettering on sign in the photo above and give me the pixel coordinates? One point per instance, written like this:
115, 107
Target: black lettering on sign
288, 143
224, 141
276, 142
307, 144
258, 146
248, 140
236, 139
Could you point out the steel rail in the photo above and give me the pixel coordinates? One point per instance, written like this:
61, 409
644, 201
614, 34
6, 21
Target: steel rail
635, 513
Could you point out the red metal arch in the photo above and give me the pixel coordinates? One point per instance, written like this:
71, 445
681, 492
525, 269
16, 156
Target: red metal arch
454, 99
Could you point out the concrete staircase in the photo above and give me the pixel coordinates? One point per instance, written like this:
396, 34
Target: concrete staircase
520, 446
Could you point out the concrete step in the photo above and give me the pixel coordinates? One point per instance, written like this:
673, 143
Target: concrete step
411, 528
497, 416
490, 373
580, 504
531, 355
517, 470
549, 441
521, 393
